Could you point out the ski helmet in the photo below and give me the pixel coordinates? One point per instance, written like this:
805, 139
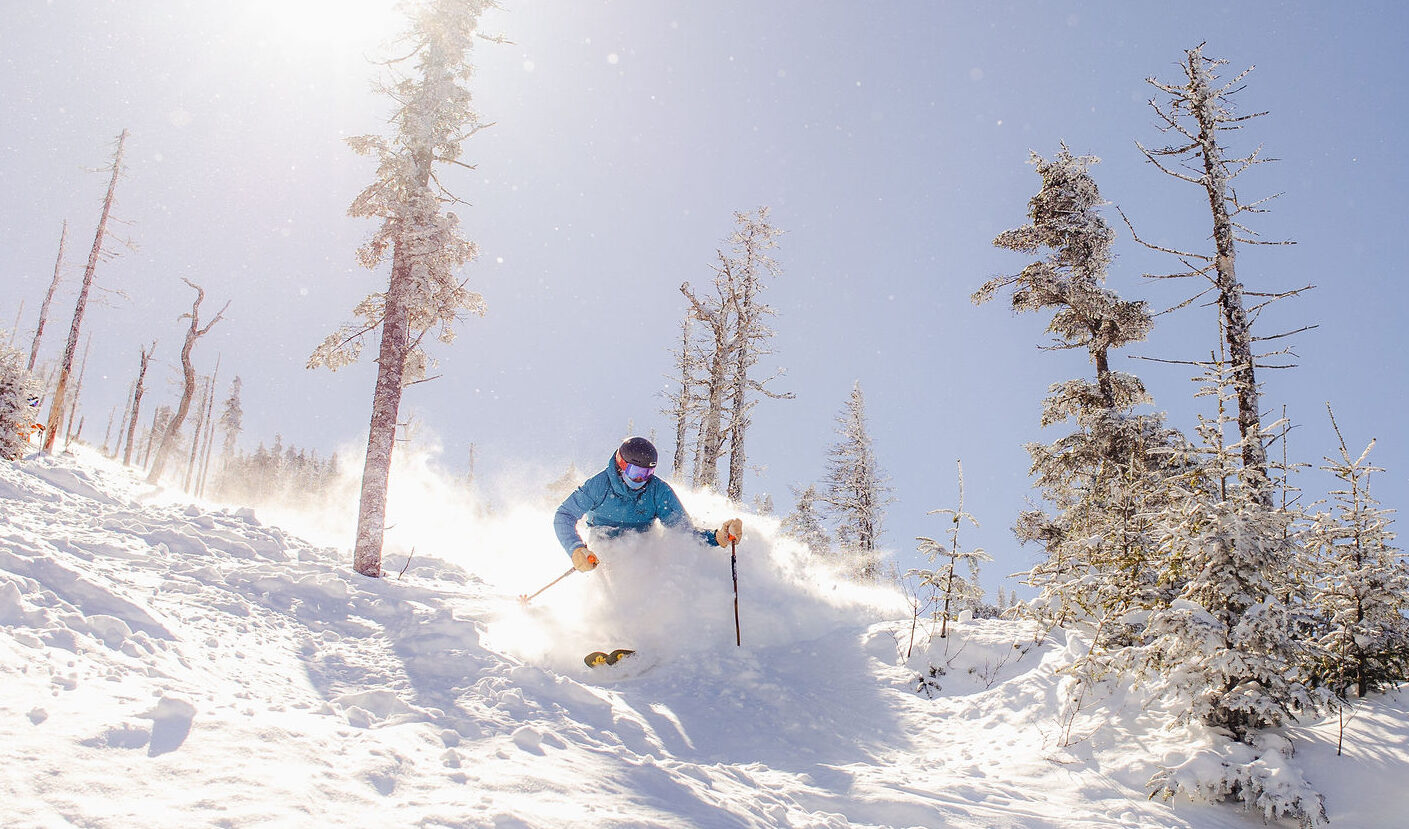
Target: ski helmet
636, 462
638, 451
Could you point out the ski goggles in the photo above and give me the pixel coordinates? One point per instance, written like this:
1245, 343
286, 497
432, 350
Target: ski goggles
633, 472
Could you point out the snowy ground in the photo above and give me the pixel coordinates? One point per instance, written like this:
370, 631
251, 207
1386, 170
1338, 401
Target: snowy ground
164, 663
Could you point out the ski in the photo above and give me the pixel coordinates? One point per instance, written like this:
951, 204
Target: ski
596, 659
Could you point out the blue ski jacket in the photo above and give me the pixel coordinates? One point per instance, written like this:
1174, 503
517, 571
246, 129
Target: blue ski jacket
609, 505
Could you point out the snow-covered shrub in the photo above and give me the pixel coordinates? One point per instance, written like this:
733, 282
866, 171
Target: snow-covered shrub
1260, 774
17, 414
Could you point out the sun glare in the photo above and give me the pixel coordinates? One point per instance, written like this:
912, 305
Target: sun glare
322, 30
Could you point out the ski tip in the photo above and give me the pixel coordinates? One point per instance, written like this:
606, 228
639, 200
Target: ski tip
596, 659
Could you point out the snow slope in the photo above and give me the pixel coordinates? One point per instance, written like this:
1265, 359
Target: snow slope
164, 663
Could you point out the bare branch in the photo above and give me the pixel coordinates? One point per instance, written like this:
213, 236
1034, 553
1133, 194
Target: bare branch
1199, 363
1166, 170
1300, 330
1186, 303
1161, 249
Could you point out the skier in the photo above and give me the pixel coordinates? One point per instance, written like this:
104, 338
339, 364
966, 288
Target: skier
627, 497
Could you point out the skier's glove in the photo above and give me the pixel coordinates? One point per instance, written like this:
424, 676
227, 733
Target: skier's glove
731, 530
584, 559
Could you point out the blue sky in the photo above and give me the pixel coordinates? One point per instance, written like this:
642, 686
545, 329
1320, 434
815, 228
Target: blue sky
890, 141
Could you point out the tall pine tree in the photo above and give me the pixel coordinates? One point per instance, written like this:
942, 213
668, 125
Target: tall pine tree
433, 119
1102, 479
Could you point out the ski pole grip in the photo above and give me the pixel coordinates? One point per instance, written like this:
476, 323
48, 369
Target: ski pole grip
592, 559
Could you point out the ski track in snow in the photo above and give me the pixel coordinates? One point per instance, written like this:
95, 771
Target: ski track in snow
173, 664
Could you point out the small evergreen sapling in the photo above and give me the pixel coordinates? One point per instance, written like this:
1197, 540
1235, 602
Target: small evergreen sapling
1362, 585
19, 395
950, 590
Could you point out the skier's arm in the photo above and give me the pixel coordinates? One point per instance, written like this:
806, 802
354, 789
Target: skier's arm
582, 501
672, 514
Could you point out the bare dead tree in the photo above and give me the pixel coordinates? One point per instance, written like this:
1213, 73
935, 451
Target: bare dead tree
1197, 112
173, 428
48, 298
77, 391
121, 424
137, 404
56, 405
752, 241
209, 429
717, 385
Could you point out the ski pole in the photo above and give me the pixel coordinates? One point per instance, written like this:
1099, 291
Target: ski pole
734, 568
525, 598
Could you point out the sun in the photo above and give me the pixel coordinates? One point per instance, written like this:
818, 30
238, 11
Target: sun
321, 30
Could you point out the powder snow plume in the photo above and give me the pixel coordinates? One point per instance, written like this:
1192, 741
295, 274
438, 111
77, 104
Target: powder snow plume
661, 592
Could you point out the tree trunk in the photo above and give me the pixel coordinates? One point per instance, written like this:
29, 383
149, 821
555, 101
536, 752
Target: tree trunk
682, 403
157, 424
712, 425
136, 405
77, 391
744, 320
122, 424
711, 432
56, 405
209, 431
1237, 331
386, 405
48, 297
739, 421
108, 433
196, 434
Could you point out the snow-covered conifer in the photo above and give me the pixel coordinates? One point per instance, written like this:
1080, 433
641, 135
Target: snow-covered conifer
856, 491
1224, 649
1101, 479
424, 292
1362, 585
232, 417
